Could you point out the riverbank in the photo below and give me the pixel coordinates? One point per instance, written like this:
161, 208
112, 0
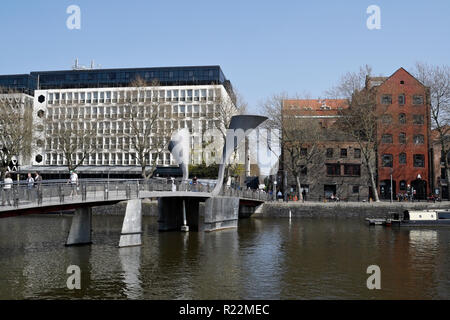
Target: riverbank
341, 209
301, 209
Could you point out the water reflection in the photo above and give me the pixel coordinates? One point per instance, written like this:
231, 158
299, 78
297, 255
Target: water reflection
130, 261
262, 259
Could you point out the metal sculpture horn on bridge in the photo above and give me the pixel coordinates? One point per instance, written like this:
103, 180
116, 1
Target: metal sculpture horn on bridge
179, 147
239, 124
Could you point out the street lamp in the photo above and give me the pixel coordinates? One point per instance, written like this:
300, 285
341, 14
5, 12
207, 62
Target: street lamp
392, 196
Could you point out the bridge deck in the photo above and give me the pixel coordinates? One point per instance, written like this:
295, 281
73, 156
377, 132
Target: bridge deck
50, 198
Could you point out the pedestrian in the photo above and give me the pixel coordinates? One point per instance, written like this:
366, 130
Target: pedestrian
73, 180
30, 185
38, 180
280, 195
7, 189
304, 195
37, 183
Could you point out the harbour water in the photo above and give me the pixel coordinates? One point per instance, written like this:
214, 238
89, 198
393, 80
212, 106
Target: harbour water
262, 259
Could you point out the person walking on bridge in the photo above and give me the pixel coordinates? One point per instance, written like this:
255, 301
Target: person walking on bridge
30, 185
7, 189
73, 180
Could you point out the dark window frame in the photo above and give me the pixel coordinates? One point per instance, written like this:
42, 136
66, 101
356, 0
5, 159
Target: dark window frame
417, 97
333, 169
386, 164
402, 158
419, 161
329, 153
386, 99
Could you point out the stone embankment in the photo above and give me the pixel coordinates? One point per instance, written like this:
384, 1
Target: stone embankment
342, 209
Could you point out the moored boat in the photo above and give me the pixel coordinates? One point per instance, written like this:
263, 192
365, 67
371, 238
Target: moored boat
416, 218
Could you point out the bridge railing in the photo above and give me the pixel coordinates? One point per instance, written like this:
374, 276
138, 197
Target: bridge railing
48, 192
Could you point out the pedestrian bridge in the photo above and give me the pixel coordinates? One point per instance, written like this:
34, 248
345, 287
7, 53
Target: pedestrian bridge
180, 205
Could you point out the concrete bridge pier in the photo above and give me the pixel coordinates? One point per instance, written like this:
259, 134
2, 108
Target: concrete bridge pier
247, 210
132, 225
210, 214
219, 213
81, 228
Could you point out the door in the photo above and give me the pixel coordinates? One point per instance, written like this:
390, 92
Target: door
420, 186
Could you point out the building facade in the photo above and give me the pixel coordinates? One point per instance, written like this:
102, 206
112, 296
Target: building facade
403, 134
438, 172
337, 169
107, 103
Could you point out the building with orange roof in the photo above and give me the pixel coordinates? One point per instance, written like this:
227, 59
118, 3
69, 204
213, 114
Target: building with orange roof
338, 172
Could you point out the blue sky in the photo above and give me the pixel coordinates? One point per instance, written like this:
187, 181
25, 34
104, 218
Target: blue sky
263, 47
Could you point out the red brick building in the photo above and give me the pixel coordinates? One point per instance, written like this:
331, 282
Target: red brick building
403, 134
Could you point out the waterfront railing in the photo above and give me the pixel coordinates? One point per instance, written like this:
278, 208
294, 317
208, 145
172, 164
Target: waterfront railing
60, 192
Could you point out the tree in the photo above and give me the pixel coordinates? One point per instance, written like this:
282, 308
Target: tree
437, 79
302, 146
149, 135
15, 128
362, 119
272, 108
73, 137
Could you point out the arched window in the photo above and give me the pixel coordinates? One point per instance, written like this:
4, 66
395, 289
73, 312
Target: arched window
402, 118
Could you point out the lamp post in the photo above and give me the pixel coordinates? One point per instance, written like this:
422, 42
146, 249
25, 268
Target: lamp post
392, 191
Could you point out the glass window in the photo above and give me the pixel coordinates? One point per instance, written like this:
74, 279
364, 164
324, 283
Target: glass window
343, 153
333, 169
386, 99
402, 158
386, 138
352, 169
330, 153
402, 138
303, 152
357, 153
386, 118
419, 161
417, 100
402, 185
419, 139
418, 119
355, 189
401, 99
387, 160
402, 118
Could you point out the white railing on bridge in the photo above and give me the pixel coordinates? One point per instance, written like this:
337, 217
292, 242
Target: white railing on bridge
60, 192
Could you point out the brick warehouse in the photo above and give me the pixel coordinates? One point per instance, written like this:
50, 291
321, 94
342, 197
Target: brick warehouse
403, 134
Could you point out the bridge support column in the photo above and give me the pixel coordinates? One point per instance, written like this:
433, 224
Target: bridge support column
220, 213
184, 227
80, 230
132, 225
